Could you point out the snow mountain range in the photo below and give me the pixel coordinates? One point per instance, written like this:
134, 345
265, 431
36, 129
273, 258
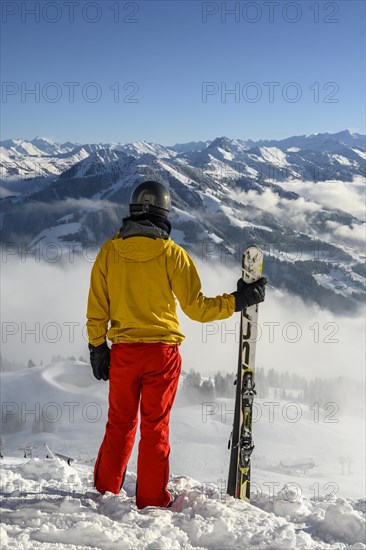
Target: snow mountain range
292, 197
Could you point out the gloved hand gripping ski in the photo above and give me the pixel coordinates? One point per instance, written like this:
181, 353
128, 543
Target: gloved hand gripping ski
249, 294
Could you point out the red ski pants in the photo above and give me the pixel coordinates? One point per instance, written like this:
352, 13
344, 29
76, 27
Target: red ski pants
145, 375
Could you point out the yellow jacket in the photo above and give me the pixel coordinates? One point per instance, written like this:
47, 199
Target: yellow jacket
133, 284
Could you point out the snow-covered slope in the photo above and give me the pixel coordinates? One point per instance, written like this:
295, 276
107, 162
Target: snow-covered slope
47, 502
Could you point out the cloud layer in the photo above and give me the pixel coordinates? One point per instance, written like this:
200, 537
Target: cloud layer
43, 314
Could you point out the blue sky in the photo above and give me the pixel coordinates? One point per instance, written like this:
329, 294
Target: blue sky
162, 71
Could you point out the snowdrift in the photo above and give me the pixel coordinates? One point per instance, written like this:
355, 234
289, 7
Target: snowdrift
48, 504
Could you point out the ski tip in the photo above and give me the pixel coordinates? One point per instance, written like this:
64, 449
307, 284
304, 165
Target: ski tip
253, 247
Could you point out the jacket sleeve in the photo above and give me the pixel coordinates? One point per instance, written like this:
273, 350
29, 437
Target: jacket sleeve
186, 286
98, 300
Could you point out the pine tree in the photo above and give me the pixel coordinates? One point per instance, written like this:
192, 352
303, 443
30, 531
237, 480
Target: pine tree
219, 385
207, 389
192, 385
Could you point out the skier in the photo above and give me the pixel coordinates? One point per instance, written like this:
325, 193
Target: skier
134, 281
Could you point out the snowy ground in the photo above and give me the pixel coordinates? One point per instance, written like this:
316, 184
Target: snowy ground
303, 496
48, 504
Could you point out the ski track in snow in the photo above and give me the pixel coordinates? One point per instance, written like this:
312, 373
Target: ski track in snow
49, 504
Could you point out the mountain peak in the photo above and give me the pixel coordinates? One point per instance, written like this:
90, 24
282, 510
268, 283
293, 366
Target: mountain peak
221, 143
40, 139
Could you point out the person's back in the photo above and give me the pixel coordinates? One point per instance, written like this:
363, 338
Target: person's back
143, 274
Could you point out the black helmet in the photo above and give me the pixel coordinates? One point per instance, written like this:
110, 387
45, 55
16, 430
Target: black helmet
150, 196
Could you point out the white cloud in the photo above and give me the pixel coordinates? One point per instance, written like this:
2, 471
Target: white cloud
347, 196
86, 205
354, 234
314, 197
294, 211
54, 298
6, 193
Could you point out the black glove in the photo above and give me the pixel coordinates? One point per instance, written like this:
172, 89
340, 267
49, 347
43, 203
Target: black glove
249, 294
99, 359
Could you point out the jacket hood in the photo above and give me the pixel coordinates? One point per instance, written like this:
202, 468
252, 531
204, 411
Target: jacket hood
139, 242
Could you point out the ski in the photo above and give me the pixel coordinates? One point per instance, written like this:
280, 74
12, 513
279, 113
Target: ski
241, 437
